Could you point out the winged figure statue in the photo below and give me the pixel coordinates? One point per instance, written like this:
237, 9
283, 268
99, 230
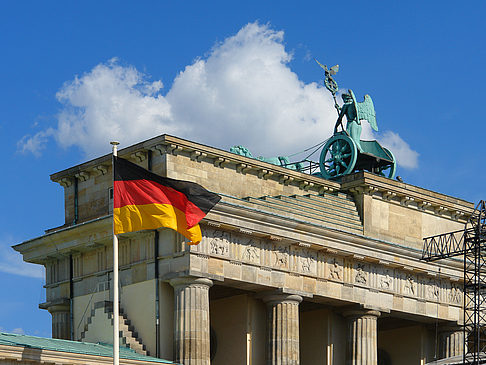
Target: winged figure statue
355, 112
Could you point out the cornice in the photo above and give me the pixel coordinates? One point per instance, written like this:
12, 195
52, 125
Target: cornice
318, 237
253, 222
166, 144
360, 183
413, 197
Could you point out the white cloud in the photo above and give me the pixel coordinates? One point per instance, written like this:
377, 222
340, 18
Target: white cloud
11, 261
18, 331
405, 156
245, 93
242, 93
35, 144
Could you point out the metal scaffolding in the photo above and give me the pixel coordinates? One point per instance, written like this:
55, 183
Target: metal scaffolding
471, 244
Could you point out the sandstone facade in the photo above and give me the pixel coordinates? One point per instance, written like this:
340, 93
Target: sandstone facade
292, 269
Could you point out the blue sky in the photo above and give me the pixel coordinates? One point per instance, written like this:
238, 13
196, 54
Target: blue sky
76, 74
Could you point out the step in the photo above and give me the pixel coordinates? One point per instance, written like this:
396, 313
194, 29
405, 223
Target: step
349, 213
334, 200
305, 216
324, 199
300, 206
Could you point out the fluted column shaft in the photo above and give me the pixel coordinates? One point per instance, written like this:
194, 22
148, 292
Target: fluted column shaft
451, 341
61, 323
362, 341
191, 320
283, 329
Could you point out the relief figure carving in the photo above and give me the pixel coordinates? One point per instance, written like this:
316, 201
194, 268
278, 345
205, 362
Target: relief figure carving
360, 274
251, 254
409, 286
281, 256
432, 289
308, 262
386, 280
455, 296
335, 270
219, 243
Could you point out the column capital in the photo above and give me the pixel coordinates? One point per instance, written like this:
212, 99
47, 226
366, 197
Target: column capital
58, 308
274, 297
192, 281
358, 313
450, 328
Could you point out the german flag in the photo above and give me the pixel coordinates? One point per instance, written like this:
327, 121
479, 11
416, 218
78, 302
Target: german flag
144, 200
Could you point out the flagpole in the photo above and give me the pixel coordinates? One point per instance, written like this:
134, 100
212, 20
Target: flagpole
116, 310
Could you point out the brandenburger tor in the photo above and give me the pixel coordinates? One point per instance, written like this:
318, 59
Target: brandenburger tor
301, 262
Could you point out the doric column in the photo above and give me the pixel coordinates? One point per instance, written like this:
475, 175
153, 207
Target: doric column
451, 341
191, 320
362, 342
283, 328
60, 321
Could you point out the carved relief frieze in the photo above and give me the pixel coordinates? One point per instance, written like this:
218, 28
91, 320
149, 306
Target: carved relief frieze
308, 262
294, 259
249, 249
455, 294
268, 254
431, 289
385, 279
219, 243
321, 264
335, 269
409, 285
361, 273
281, 256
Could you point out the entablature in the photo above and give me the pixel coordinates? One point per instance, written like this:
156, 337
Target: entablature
413, 197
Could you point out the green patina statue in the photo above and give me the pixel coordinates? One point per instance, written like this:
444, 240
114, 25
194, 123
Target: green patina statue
280, 160
345, 152
355, 112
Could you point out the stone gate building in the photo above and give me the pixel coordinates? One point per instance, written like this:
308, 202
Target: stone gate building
292, 269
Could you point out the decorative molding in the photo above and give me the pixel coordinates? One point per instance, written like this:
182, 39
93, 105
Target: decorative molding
388, 195
221, 162
439, 209
174, 149
82, 175
65, 182
160, 148
198, 156
101, 170
286, 179
300, 260
243, 168
324, 189
139, 156
423, 205
405, 201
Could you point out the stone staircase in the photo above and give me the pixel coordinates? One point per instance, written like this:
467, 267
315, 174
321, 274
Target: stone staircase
128, 335
335, 210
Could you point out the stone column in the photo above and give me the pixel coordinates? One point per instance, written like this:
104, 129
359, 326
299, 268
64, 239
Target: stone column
61, 327
451, 341
362, 339
191, 320
283, 328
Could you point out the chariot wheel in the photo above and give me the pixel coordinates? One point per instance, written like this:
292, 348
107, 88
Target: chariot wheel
338, 156
390, 170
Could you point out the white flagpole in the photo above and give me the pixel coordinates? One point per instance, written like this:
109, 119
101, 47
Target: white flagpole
116, 331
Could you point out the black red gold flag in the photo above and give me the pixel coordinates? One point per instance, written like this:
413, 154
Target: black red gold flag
144, 200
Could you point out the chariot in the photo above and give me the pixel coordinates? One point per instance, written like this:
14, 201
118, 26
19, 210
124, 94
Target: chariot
341, 156
345, 152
